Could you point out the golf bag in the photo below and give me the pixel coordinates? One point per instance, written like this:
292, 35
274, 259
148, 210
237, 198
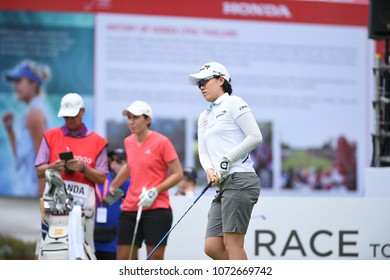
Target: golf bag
63, 223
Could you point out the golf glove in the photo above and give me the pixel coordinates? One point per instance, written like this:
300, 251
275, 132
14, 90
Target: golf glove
223, 169
147, 197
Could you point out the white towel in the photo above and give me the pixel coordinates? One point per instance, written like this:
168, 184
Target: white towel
76, 234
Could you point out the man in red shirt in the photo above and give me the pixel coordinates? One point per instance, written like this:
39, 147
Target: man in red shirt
89, 164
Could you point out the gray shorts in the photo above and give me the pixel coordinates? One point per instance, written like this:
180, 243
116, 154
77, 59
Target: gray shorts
232, 207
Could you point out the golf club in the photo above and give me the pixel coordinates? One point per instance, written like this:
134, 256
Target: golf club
139, 212
165, 236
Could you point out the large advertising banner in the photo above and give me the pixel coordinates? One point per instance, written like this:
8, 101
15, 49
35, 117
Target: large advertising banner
43, 56
307, 85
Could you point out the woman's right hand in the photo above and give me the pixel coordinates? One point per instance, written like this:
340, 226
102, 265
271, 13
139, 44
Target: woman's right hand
211, 176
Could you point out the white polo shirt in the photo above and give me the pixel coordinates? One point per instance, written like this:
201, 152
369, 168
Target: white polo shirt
221, 134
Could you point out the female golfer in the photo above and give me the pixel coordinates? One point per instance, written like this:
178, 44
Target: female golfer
153, 167
227, 133
28, 79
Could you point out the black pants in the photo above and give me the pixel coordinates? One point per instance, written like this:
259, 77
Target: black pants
101, 255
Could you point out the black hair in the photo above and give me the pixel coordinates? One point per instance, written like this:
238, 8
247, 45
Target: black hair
118, 152
227, 87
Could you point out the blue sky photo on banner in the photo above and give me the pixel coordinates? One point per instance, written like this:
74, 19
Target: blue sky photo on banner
55, 51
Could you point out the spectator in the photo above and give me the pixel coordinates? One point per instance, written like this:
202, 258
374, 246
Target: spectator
186, 186
107, 217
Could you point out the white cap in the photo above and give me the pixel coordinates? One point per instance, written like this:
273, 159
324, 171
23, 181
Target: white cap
71, 104
207, 70
138, 108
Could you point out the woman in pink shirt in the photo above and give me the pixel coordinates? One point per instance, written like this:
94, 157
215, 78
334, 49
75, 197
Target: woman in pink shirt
154, 167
